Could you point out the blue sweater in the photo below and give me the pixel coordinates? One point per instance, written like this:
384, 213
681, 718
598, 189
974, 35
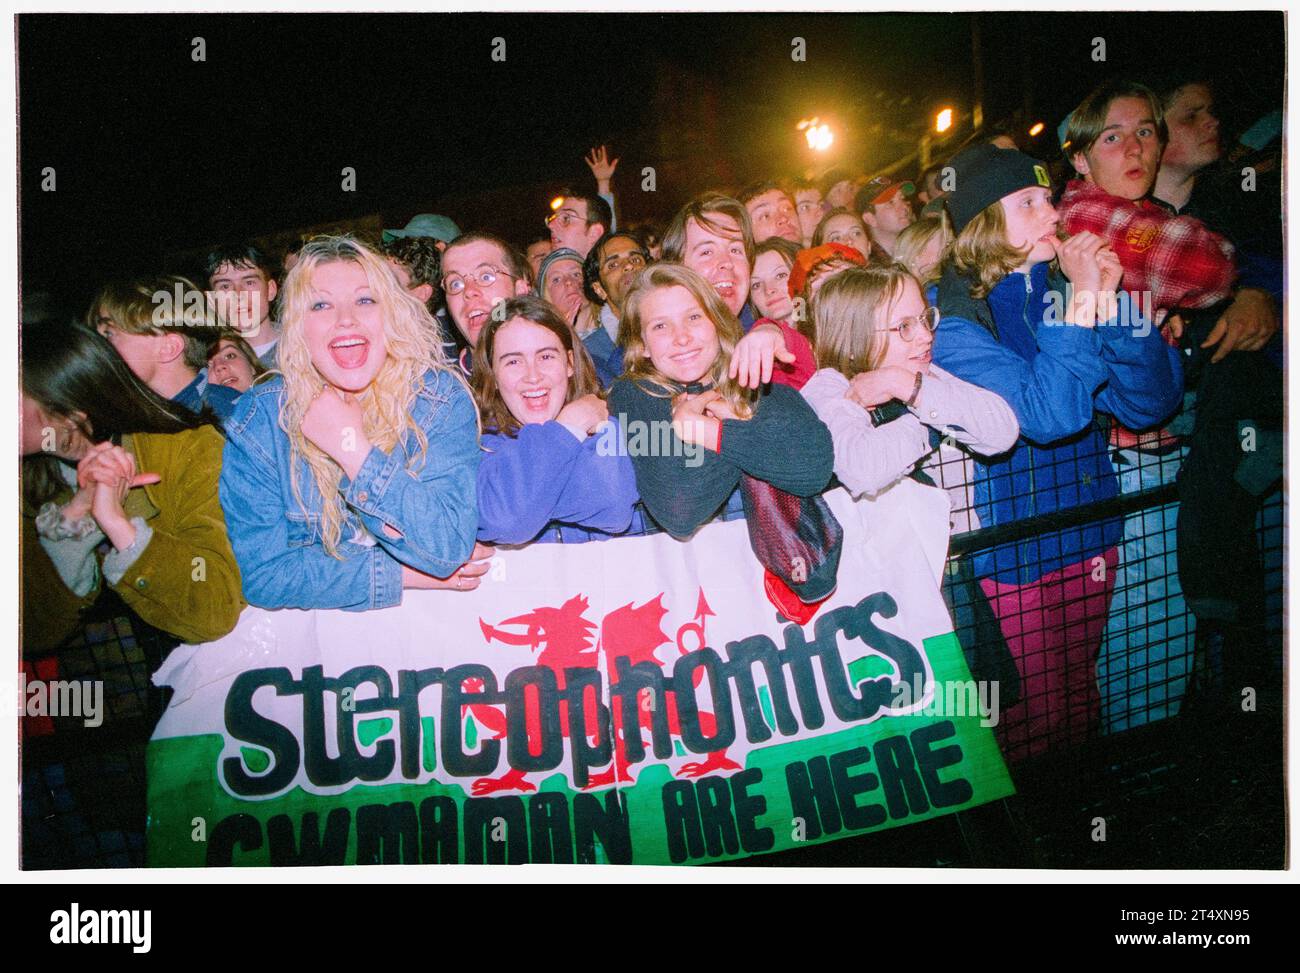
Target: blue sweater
1054, 377
545, 476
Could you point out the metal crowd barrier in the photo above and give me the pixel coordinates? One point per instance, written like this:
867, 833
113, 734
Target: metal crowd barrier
1161, 775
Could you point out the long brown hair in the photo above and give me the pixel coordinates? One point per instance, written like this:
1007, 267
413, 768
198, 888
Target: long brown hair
497, 417
637, 364
74, 373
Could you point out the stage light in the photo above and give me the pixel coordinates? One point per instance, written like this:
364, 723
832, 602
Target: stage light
817, 133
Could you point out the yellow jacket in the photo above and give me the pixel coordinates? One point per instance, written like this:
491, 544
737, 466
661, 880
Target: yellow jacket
185, 581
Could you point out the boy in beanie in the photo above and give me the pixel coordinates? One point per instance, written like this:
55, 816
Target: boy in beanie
1008, 326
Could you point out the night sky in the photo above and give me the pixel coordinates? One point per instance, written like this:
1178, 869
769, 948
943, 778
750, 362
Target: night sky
155, 153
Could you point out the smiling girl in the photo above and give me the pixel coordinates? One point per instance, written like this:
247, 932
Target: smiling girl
679, 337
846, 227
233, 363
769, 283
350, 476
537, 393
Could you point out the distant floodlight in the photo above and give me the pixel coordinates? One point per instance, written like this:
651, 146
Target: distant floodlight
1036, 130
819, 137
943, 120
557, 202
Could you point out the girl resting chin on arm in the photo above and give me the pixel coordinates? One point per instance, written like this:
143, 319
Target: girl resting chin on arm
544, 423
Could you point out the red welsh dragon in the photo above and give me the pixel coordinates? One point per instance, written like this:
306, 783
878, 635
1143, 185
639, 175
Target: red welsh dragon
561, 637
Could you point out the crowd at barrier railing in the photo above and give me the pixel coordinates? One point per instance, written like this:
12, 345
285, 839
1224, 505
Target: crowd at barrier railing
362, 418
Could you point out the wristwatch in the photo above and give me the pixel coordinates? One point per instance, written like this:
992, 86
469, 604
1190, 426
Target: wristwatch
916, 390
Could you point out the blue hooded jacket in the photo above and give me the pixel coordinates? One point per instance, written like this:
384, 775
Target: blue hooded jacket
1055, 377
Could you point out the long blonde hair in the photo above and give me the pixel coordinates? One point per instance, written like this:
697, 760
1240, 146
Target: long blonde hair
386, 405
850, 313
982, 254
639, 368
915, 238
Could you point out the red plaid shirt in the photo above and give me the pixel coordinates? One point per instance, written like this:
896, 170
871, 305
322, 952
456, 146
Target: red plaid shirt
1175, 258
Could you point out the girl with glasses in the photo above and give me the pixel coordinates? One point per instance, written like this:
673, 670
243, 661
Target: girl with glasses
874, 339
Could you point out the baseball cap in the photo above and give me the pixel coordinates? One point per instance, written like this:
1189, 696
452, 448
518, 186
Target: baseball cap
983, 174
880, 190
426, 224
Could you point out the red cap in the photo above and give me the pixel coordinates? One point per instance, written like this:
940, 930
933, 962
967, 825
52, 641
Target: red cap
807, 261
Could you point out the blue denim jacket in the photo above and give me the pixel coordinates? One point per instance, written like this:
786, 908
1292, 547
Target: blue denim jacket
277, 543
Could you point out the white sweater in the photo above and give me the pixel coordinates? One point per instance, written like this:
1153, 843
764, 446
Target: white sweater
870, 459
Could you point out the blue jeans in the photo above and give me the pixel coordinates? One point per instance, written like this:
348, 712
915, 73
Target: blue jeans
1146, 652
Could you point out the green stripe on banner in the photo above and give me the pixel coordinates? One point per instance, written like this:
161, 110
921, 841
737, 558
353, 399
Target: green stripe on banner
865, 778
765, 704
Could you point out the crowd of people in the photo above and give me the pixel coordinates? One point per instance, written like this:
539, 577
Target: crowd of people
330, 427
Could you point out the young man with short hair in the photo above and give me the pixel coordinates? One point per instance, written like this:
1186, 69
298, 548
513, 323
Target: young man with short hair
808, 208
536, 252
929, 183
478, 271
608, 272
1192, 148
885, 208
243, 278
417, 264
711, 235
164, 329
837, 189
771, 212
578, 222
1115, 138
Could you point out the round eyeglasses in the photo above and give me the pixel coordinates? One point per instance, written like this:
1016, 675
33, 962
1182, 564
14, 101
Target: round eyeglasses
910, 328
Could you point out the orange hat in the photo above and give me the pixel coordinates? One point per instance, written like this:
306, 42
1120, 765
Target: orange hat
807, 261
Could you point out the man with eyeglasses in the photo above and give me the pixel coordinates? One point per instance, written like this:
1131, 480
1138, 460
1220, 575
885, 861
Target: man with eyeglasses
478, 271
578, 222
608, 273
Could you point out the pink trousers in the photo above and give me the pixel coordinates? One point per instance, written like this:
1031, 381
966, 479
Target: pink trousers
1053, 627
